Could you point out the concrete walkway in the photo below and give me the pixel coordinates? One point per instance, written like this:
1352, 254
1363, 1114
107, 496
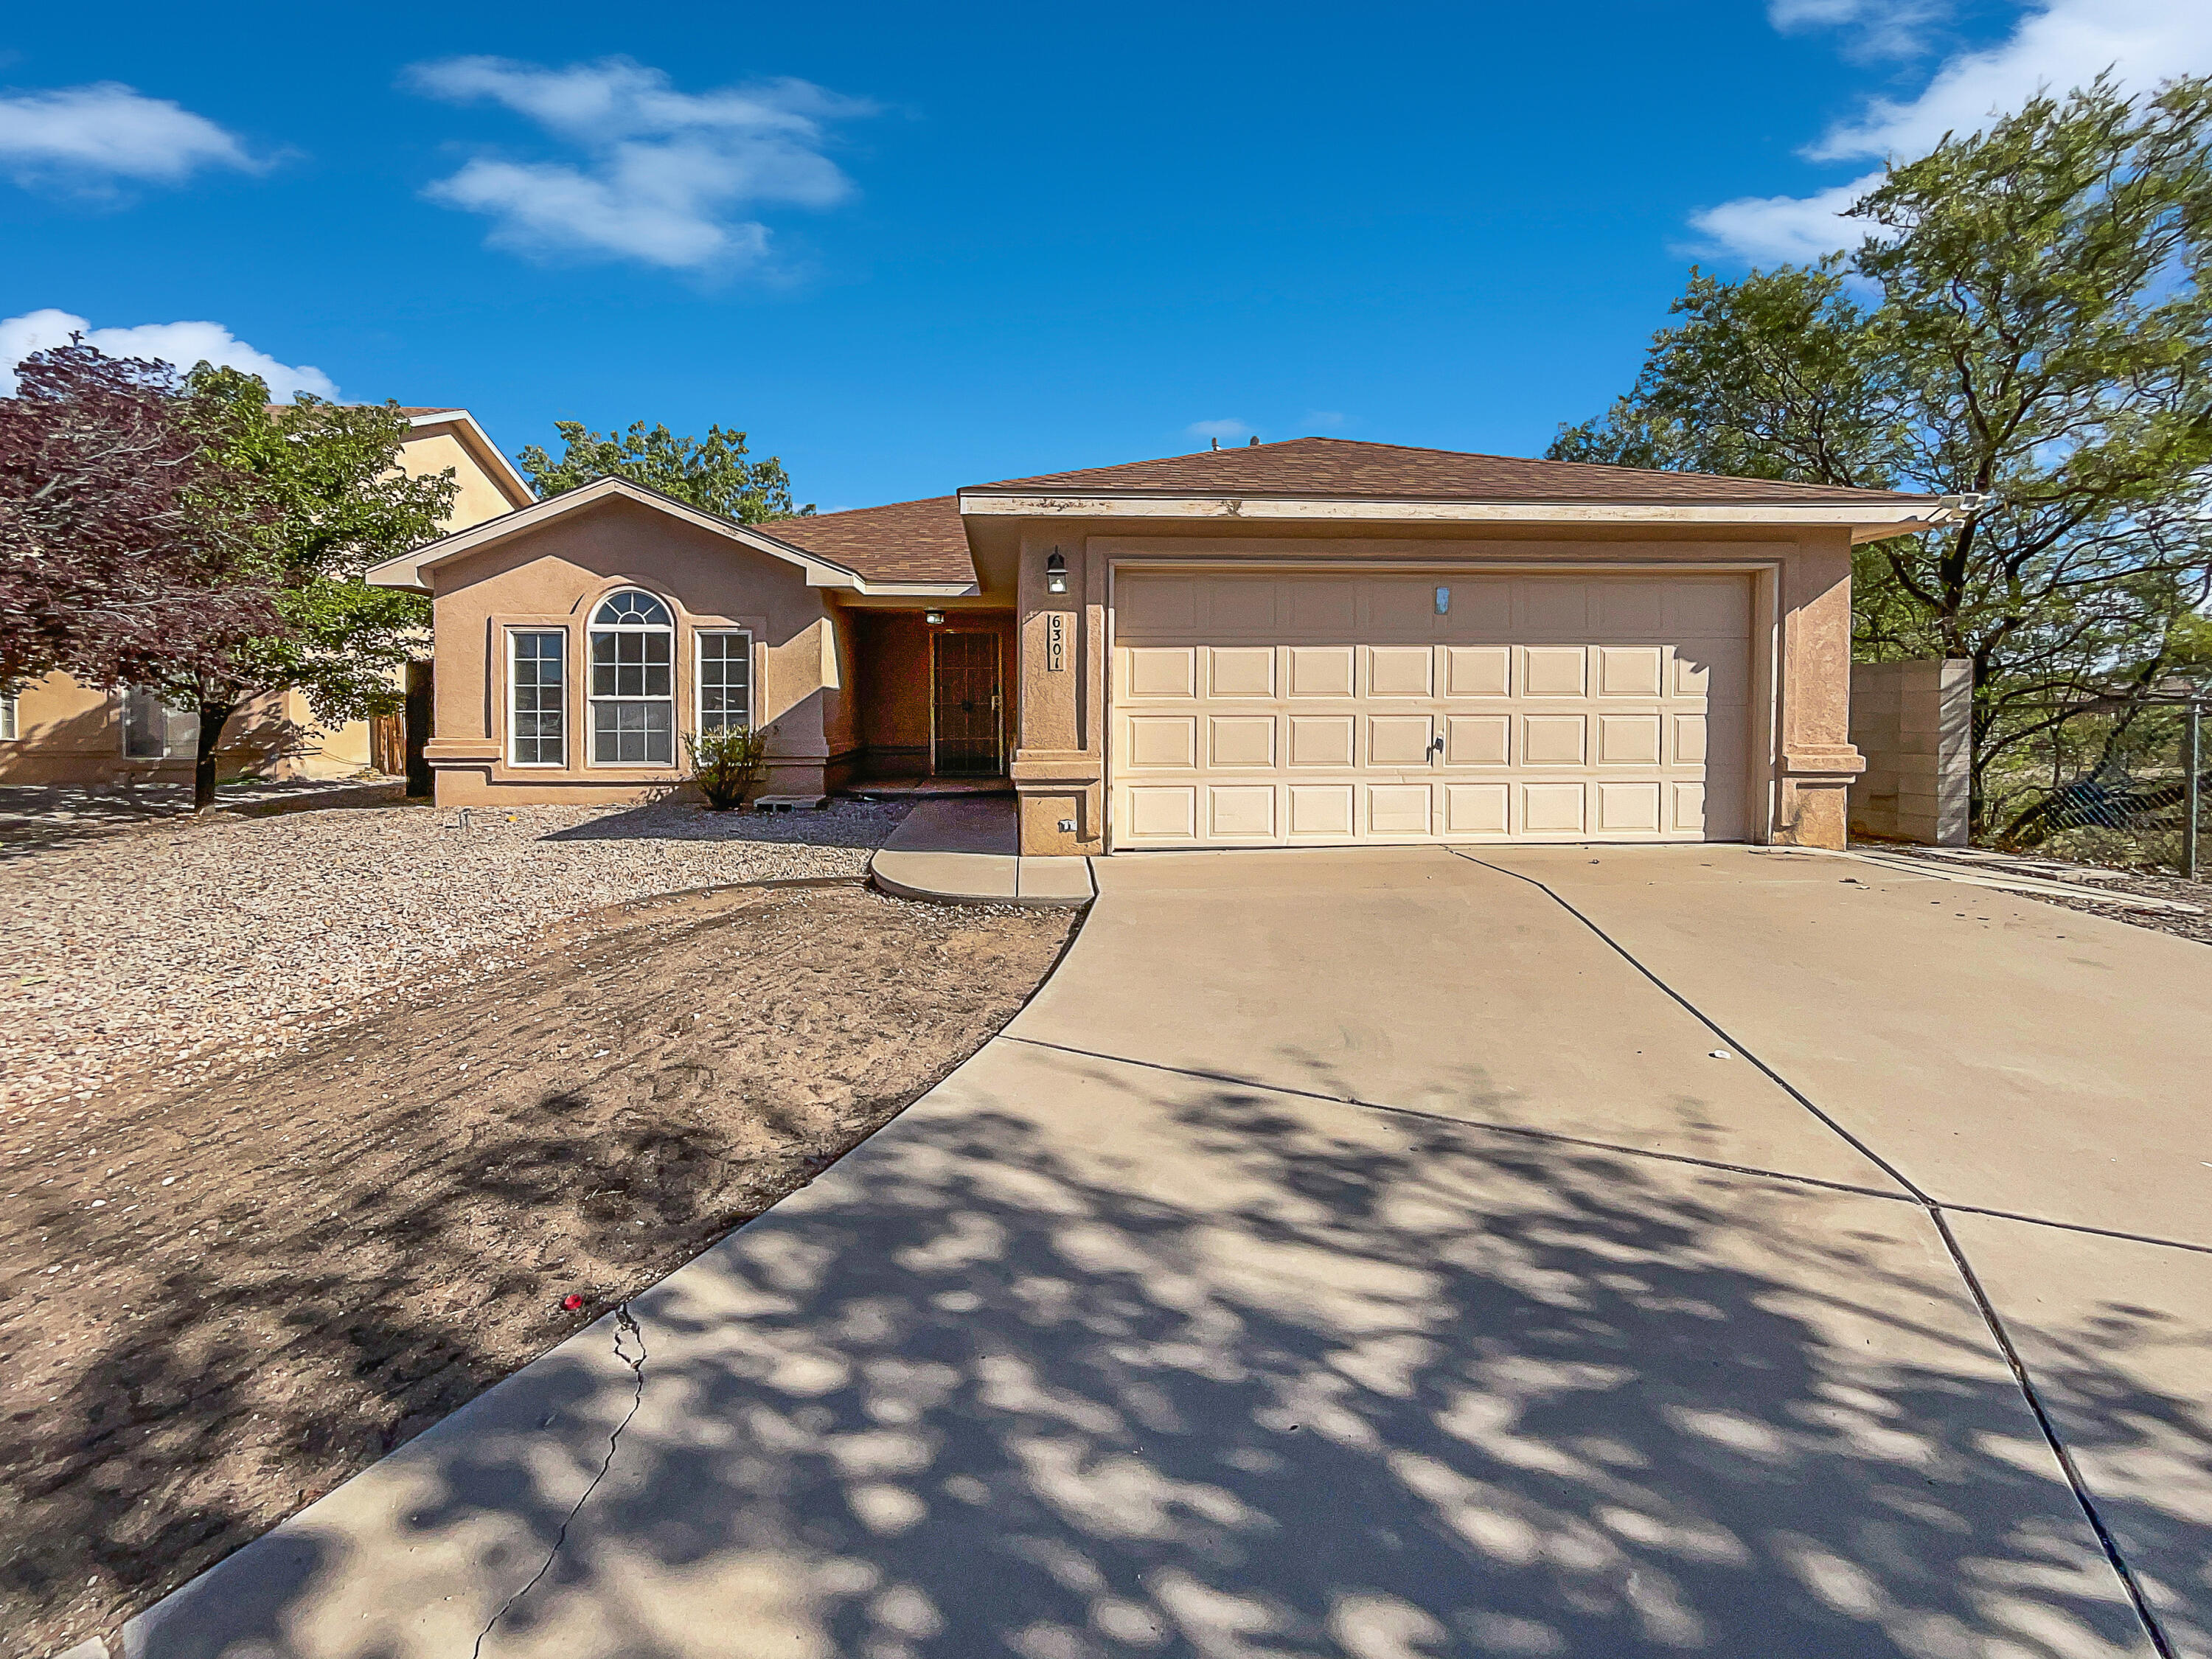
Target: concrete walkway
967, 850
1576, 1252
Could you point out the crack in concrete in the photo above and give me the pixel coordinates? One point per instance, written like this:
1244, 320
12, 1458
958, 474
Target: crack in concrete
1933, 1209
626, 1327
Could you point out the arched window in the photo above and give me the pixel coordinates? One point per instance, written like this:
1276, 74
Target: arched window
632, 681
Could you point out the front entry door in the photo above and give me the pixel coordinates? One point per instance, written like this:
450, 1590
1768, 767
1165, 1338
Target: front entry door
964, 719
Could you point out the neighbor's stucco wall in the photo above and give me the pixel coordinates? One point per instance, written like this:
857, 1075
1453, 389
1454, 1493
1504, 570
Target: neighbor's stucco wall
1798, 773
553, 577
1914, 723
479, 494
69, 733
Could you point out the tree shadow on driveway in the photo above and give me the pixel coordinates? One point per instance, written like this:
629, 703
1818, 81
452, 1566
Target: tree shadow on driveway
1072, 1362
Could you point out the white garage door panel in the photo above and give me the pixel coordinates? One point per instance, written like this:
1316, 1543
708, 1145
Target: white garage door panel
1254, 710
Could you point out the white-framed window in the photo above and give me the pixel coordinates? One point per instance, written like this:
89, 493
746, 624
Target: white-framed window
538, 696
10, 719
725, 678
633, 690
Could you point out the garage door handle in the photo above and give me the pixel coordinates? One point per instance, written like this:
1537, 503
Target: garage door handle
1436, 745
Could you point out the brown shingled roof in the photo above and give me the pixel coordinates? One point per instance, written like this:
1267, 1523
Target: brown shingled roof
904, 542
1340, 467
925, 541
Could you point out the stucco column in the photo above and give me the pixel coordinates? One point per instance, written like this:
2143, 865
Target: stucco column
1058, 765
1818, 759
799, 676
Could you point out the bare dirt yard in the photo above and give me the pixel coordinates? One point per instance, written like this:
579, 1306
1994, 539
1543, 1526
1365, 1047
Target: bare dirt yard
222, 1298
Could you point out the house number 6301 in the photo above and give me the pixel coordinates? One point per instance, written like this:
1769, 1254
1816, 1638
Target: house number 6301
1055, 641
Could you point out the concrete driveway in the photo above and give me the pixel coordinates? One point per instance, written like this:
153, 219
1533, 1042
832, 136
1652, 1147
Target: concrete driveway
1571, 1251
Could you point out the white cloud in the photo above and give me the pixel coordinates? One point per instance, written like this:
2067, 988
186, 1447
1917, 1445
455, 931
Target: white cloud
2058, 45
181, 343
1872, 28
666, 177
1326, 419
1218, 429
1769, 230
86, 138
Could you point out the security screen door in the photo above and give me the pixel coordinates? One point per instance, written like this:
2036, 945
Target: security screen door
964, 725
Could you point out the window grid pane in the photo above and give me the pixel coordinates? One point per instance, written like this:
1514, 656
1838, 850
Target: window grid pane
725, 680
632, 734
539, 681
634, 609
632, 682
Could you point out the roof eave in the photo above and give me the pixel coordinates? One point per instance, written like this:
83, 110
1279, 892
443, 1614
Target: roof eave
1868, 522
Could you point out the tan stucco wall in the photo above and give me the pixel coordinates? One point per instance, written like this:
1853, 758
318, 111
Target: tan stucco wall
553, 577
841, 701
894, 676
1802, 761
479, 494
68, 733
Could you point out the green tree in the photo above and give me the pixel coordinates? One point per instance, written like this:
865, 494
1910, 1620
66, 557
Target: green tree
315, 490
711, 474
2030, 322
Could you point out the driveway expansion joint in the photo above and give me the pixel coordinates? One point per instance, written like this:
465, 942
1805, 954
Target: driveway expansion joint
1998, 1333
1484, 1125
626, 1326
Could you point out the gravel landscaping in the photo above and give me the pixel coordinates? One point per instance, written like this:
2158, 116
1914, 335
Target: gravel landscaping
226, 941
2106, 890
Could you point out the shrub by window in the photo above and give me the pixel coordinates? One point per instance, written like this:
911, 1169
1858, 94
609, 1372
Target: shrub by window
632, 701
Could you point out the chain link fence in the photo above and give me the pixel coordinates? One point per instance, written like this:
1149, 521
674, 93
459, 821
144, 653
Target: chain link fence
2120, 782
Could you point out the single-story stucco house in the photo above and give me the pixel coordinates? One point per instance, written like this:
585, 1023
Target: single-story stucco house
57, 730
1313, 642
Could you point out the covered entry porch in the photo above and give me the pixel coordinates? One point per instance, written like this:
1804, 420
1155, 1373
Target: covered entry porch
934, 701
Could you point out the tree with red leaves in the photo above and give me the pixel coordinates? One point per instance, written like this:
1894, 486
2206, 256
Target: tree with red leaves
111, 569
186, 535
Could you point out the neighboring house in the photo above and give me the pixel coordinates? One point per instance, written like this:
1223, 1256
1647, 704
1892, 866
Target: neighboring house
57, 731
1312, 642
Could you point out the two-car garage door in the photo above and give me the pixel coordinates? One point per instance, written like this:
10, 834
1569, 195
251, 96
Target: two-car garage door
1258, 710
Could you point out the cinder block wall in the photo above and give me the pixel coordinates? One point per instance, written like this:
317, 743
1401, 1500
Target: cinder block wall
1912, 721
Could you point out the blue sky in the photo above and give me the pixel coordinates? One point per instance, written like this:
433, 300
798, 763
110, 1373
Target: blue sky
913, 247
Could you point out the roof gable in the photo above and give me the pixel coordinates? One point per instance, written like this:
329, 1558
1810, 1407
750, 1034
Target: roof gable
407, 571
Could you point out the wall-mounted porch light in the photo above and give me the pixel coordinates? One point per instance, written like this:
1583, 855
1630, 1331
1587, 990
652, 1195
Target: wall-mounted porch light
932, 617
1056, 573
